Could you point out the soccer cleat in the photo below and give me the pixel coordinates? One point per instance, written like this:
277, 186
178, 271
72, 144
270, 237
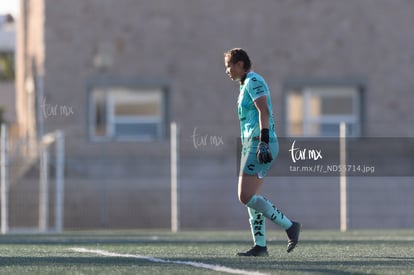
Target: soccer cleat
255, 251
293, 236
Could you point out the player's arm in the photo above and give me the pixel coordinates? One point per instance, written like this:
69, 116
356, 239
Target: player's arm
264, 113
264, 154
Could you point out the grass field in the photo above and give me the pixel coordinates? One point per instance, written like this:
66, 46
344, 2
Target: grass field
206, 252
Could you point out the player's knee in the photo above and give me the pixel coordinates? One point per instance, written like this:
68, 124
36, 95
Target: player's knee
244, 198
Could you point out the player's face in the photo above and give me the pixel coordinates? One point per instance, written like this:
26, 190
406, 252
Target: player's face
234, 70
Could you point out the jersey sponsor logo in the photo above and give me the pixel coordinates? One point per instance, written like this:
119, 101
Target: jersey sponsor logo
258, 224
250, 167
258, 90
258, 233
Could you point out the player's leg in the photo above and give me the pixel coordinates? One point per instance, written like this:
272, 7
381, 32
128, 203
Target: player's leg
270, 211
249, 187
258, 230
258, 227
256, 219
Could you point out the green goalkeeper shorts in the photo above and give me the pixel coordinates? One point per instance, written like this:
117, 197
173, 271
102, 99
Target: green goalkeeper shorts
248, 161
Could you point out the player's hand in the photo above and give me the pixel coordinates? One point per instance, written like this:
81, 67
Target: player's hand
263, 153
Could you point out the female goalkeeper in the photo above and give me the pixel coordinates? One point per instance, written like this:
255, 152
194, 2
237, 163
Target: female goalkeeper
259, 147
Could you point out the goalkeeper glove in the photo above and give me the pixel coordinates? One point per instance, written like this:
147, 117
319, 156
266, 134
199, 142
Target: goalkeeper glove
263, 153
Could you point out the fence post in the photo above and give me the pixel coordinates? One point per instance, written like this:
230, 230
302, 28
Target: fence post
175, 219
343, 189
4, 180
60, 180
44, 189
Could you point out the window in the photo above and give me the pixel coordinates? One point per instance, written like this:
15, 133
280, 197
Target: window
124, 113
317, 111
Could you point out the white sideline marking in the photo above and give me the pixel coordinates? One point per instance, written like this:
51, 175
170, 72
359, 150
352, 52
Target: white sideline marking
159, 260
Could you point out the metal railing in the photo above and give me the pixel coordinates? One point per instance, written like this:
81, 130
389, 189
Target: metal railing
23, 155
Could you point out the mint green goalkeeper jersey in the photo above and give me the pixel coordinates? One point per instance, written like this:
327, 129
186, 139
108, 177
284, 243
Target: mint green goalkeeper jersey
253, 87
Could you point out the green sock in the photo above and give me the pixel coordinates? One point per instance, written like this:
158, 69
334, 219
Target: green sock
269, 210
257, 226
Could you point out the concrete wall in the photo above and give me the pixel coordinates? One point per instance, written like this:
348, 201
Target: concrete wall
181, 42
7, 102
